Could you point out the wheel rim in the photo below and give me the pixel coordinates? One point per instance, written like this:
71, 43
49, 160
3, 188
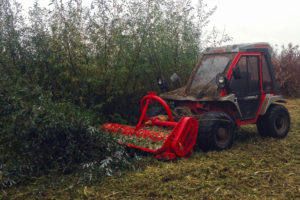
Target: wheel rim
222, 136
280, 124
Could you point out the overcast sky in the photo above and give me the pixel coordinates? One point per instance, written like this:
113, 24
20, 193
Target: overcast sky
273, 21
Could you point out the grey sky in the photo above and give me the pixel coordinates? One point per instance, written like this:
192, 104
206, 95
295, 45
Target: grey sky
273, 21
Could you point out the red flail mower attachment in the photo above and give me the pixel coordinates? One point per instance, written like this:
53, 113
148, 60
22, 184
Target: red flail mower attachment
166, 139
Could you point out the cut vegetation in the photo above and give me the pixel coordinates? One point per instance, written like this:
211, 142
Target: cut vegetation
255, 168
66, 69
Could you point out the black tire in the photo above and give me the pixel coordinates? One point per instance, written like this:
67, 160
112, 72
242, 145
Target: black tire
275, 123
216, 131
260, 126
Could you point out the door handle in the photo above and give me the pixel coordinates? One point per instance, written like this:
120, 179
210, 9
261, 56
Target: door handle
251, 97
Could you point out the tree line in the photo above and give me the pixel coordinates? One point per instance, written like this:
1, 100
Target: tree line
66, 69
106, 55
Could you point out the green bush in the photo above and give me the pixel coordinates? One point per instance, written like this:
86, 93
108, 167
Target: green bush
38, 136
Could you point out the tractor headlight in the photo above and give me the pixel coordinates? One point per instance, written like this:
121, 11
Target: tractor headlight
221, 81
162, 84
159, 81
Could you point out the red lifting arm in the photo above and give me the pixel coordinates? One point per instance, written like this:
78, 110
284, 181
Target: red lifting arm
150, 98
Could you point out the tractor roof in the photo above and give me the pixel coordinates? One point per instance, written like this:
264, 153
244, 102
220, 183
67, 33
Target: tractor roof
248, 47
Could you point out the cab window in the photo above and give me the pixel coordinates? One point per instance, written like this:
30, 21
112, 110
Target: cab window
249, 83
266, 77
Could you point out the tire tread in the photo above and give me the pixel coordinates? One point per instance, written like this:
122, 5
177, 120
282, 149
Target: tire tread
265, 124
207, 123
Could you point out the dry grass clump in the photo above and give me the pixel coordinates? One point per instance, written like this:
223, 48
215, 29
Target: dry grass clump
255, 168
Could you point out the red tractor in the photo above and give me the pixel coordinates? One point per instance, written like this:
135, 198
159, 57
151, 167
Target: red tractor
230, 86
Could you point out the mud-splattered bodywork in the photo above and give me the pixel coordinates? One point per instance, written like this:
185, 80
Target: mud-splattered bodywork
201, 93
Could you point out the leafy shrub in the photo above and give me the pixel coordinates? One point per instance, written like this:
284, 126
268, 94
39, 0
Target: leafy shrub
108, 55
38, 135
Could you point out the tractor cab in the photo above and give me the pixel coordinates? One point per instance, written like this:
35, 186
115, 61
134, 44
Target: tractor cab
241, 74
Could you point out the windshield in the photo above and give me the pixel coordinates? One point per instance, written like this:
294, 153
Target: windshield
210, 66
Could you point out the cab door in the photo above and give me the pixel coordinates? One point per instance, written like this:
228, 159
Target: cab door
247, 86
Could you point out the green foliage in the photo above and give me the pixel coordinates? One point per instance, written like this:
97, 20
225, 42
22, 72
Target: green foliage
71, 68
108, 54
38, 135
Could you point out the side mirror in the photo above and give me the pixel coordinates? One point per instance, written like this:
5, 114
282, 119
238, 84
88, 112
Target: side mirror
236, 73
221, 81
162, 84
174, 77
